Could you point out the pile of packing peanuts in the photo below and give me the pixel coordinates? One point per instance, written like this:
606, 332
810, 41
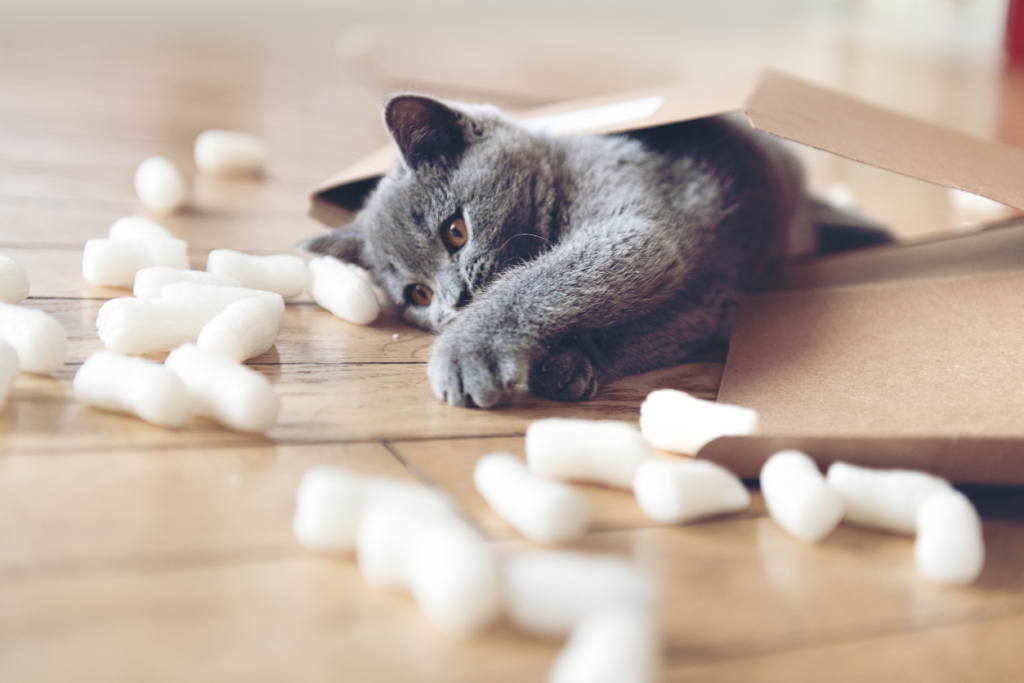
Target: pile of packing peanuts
406, 536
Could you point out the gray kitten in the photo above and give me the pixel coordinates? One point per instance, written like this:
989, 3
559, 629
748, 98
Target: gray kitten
567, 263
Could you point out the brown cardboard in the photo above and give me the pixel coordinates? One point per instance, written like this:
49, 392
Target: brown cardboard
779, 104
899, 356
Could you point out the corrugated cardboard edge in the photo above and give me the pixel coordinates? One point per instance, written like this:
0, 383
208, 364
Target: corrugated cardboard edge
790, 108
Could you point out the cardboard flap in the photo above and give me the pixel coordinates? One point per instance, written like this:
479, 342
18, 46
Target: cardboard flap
854, 129
929, 358
778, 104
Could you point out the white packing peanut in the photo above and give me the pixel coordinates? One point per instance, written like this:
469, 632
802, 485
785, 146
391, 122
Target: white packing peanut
679, 491
8, 369
616, 645
229, 152
449, 570
137, 228
281, 273
950, 547
549, 592
14, 283
224, 390
541, 510
150, 282
137, 326
886, 499
799, 498
600, 451
680, 423
160, 185
455, 579
132, 385
337, 287
330, 500
221, 296
39, 340
114, 263
243, 330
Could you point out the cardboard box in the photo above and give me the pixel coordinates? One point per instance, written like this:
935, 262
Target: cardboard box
897, 356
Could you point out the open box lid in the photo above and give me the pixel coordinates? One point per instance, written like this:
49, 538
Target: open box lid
779, 104
897, 356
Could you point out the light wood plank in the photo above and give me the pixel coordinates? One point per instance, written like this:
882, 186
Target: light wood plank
111, 511
981, 652
449, 465
319, 402
304, 619
202, 622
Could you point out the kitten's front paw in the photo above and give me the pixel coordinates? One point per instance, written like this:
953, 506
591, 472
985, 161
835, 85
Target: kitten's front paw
567, 374
470, 373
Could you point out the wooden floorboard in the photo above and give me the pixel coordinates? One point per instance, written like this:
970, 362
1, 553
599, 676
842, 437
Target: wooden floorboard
130, 552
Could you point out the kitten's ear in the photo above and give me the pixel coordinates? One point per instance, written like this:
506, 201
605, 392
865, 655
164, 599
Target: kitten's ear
426, 131
346, 245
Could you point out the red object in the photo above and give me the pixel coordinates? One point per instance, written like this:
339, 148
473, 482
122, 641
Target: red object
1015, 34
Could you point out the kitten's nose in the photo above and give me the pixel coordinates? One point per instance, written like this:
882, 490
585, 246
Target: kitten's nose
464, 299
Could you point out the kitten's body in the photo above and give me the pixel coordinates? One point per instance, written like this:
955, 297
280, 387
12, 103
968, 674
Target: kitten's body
588, 258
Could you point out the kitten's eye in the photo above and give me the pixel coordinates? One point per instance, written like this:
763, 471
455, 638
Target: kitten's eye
454, 235
419, 295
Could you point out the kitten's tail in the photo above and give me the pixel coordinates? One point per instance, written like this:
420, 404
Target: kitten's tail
840, 229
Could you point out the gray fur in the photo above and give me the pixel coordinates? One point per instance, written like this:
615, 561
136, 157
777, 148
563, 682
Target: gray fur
589, 259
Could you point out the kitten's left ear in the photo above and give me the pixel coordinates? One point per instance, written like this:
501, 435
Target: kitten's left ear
426, 130
346, 245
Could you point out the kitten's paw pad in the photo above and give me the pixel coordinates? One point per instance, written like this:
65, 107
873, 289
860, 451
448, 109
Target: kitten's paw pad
566, 375
471, 376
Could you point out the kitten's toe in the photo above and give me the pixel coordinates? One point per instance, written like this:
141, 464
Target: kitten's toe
566, 375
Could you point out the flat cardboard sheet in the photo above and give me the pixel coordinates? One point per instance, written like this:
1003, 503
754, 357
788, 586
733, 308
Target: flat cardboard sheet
887, 363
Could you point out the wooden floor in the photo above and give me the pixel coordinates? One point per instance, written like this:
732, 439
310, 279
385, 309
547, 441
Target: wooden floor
134, 553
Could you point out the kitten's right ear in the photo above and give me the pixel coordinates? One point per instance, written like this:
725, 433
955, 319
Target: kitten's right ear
426, 130
346, 245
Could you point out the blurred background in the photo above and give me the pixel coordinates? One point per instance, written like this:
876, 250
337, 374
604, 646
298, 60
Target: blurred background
318, 69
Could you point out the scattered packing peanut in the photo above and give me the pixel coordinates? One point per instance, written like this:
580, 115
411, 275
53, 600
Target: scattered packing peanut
114, 263
137, 228
541, 510
132, 385
887, 499
8, 369
617, 645
224, 390
679, 491
137, 326
150, 282
331, 500
221, 297
449, 570
549, 592
675, 421
798, 497
601, 451
160, 185
14, 283
949, 546
337, 287
456, 581
243, 330
229, 152
39, 340
281, 273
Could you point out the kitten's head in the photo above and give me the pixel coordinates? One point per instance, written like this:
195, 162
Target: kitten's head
472, 195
